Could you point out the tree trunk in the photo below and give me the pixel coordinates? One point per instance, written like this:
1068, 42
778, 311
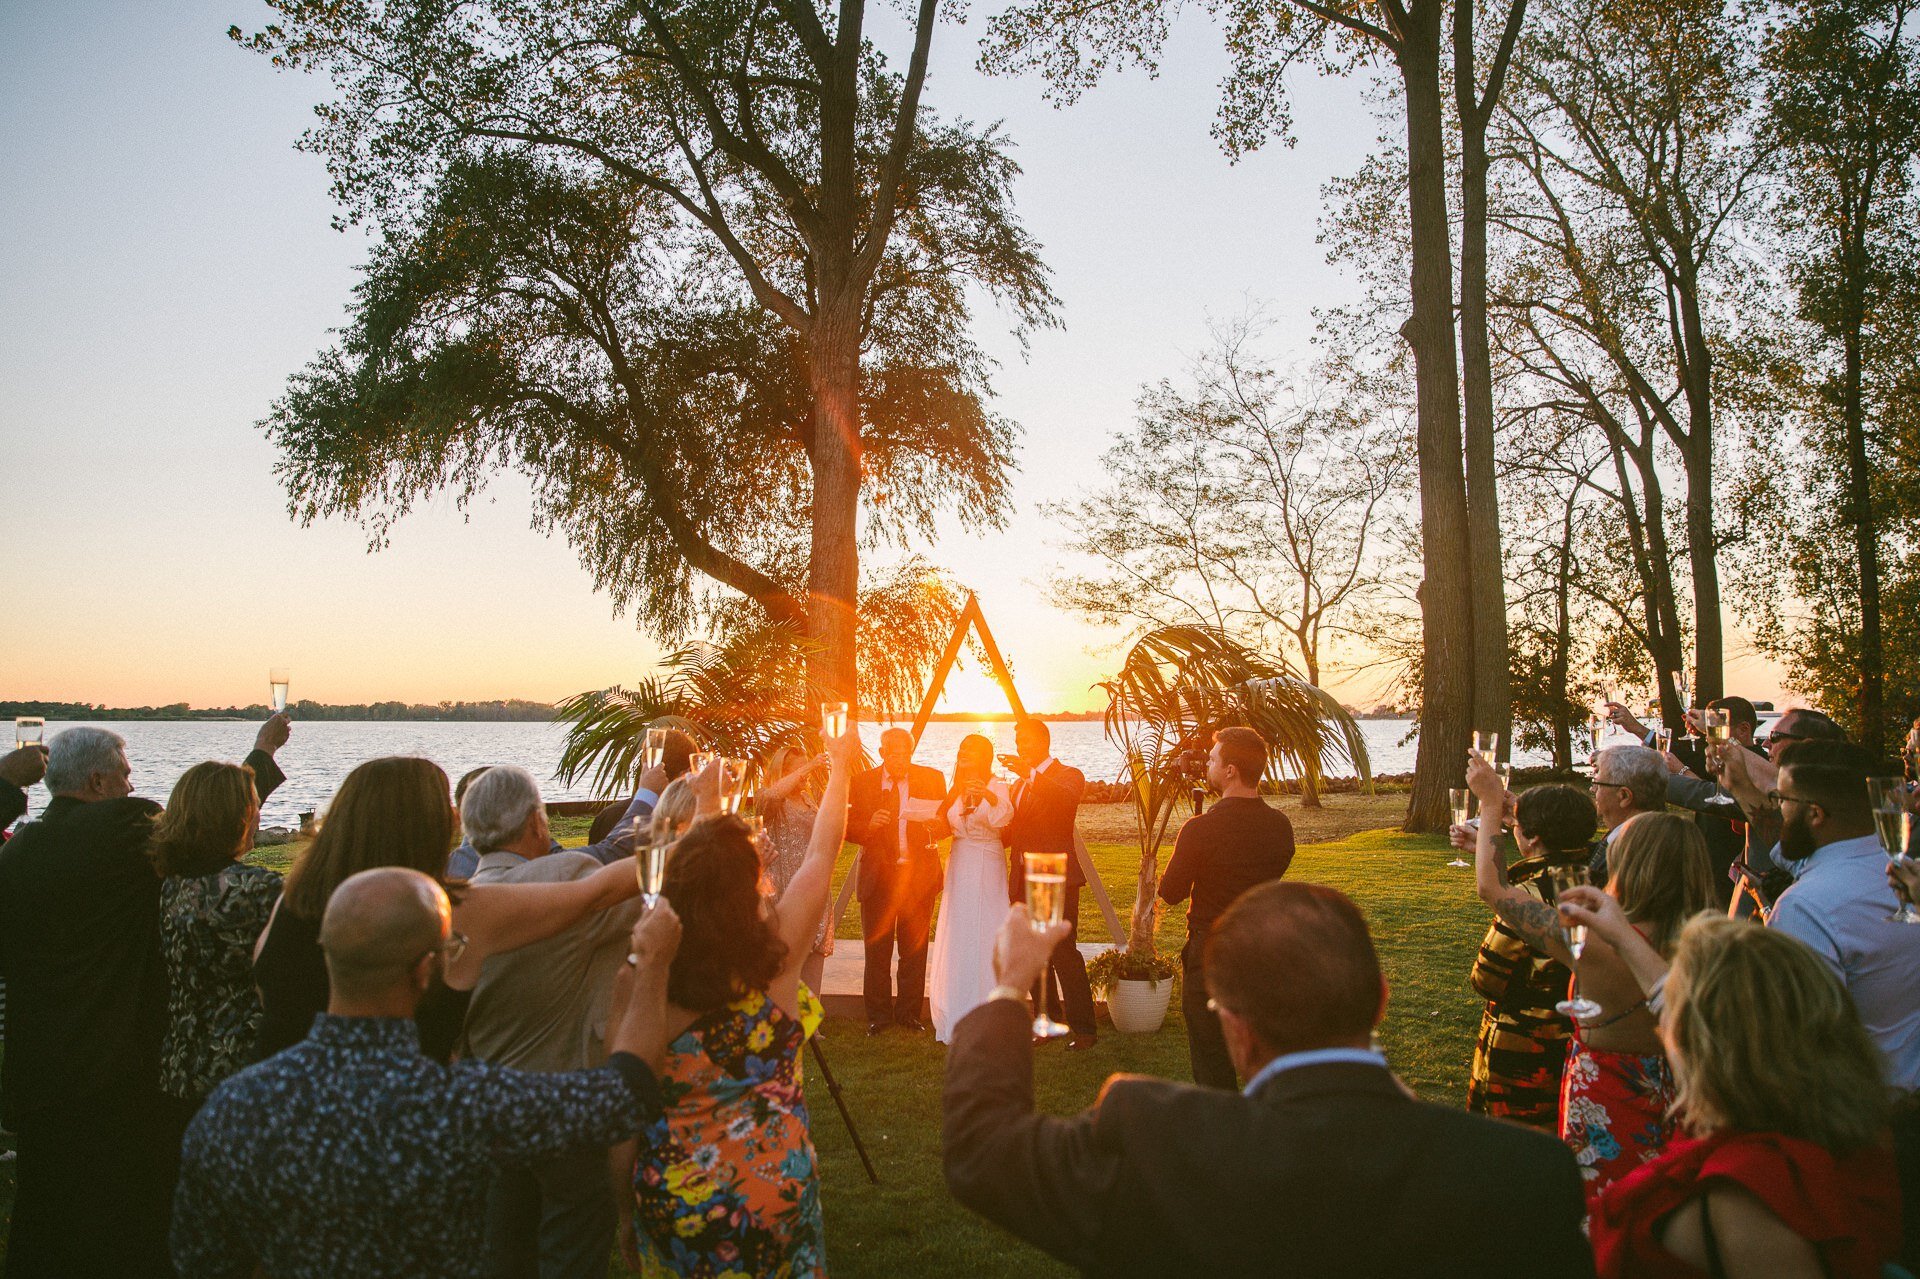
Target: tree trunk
1872, 729
833, 570
1445, 591
1709, 661
1563, 640
1492, 693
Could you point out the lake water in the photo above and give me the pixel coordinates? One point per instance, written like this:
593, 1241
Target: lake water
323, 752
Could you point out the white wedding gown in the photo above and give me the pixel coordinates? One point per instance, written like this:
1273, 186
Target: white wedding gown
973, 905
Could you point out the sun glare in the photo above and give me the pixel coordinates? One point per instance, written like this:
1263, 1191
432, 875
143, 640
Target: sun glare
973, 692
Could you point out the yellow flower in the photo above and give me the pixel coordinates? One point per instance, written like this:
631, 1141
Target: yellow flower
760, 1038
688, 1227
688, 1184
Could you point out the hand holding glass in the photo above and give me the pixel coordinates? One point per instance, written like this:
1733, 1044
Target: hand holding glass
1576, 1005
656, 747
833, 720
1046, 879
28, 730
1460, 799
277, 681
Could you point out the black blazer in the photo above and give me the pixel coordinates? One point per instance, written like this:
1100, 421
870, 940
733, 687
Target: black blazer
879, 865
1043, 822
1331, 1170
80, 952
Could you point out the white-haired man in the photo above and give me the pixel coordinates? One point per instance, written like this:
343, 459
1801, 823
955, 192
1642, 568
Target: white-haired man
86, 1009
544, 1007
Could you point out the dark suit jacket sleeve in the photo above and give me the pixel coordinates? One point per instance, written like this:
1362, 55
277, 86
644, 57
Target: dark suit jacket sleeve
266, 773
1176, 883
1559, 1225
863, 799
13, 803
1045, 1179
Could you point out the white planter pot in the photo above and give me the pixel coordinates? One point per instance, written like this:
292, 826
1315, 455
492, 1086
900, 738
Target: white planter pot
1139, 1007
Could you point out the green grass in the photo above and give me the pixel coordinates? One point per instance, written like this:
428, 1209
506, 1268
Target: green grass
1426, 922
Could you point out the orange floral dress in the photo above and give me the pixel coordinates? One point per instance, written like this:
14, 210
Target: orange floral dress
725, 1182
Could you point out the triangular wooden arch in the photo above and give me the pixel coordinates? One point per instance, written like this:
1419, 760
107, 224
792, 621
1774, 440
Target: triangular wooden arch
971, 616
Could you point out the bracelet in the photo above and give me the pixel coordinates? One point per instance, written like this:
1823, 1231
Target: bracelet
1014, 993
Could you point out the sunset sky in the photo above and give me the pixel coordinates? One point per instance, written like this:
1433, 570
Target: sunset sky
167, 262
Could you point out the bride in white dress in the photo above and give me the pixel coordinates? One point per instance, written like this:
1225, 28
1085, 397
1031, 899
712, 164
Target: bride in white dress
973, 903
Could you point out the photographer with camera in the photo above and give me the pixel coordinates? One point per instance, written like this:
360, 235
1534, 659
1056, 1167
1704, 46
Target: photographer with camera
1218, 855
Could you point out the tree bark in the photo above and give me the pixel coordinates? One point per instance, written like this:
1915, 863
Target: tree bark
1445, 591
1866, 542
1492, 691
833, 569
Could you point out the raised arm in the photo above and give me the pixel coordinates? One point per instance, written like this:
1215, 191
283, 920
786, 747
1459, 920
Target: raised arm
805, 900
502, 917
1531, 918
620, 841
1604, 919
273, 734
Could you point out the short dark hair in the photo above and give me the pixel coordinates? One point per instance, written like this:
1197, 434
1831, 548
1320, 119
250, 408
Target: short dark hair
1561, 817
467, 779
677, 756
1810, 726
1296, 962
1028, 724
728, 947
1831, 774
1245, 751
1739, 710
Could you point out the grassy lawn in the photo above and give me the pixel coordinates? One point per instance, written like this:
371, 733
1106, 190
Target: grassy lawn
1426, 922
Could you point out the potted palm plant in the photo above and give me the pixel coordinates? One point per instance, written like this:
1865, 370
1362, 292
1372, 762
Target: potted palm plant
1176, 686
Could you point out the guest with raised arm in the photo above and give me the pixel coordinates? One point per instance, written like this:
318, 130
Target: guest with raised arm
355, 1154
19, 769
789, 806
86, 1013
398, 811
724, 1180
1786, 1168
1616, 1088
1323, 1165
1521, 1051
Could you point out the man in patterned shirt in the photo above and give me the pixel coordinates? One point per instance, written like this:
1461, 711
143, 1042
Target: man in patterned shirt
351, 1153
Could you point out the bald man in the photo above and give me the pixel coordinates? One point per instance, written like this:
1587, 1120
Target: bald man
353, 1153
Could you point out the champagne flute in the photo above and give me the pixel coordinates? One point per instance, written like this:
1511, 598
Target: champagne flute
651, 864
1663, 740
1505, 773
1906, 914
1461, 801
656, 747
733, 783
1486, 746
1894, 825
1680, 692
1719, 733
1046, 878
277, 682
1576, 1005
833, 720
28, 730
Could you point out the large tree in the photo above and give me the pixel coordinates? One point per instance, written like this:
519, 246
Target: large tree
1843, 98
701, 270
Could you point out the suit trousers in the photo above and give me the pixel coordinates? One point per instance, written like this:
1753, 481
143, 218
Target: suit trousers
898, 915
1206, 1046
1069, 997
91, 1194
551, 1219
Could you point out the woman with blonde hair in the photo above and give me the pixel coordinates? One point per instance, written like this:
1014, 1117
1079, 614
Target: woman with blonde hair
1787, 1168
1616, 1089
398, 811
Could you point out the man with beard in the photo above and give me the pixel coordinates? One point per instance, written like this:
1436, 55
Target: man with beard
1840, 902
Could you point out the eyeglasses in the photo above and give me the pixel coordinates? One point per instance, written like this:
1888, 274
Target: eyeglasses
449, 950
1775, 798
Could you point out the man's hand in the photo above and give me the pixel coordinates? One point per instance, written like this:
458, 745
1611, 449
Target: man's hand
1016, 765
25, 766
654, 779
1021, 951
274, 733
1676, 765
656, 937
1624, 718
1484, 782
1748, 778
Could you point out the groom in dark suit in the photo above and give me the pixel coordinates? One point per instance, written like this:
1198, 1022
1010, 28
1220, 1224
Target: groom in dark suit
899, 878
1045, 801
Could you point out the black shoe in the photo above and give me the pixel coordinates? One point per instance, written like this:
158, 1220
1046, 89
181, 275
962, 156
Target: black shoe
1077, 1042
876, 1028
911, 1023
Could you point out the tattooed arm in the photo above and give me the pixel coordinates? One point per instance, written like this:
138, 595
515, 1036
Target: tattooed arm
1527, 915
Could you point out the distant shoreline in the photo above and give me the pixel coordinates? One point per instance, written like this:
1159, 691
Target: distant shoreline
454, 713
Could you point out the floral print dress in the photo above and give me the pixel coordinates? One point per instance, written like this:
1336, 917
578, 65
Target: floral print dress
725, 1182
208, 924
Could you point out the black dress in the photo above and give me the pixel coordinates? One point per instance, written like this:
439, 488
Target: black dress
291, 972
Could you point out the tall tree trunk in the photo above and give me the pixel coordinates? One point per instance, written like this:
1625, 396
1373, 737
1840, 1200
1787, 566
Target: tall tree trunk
1492, 692
1563, 640
1446, 610
1709, 660
1872, 728
833, 570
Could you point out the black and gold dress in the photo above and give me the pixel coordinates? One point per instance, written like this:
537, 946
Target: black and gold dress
1521, 1050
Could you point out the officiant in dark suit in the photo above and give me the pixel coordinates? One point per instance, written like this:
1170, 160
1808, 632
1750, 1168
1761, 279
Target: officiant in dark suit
1324, 1165
1045, 802
899, 877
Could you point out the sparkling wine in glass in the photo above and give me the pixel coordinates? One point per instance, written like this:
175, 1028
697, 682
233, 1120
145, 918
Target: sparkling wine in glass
1460, 799
28, 730
277, 682
833, 720
1663, 740
1576, 1005
1894, 824
651, 864
1486, 746
1719, 730
656, 747
734, 783
1505, 773
1046, 876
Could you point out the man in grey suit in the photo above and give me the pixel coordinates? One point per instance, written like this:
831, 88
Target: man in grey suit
1324, 1165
